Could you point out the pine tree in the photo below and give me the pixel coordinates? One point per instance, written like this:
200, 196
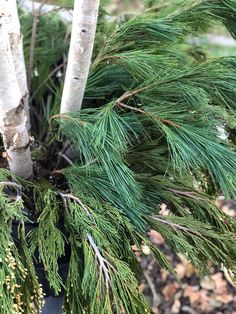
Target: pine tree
147, 134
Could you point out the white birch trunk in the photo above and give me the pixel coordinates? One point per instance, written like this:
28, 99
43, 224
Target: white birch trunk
80, 53
12, 113
16, 43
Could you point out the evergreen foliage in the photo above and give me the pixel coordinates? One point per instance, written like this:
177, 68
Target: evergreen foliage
147, 135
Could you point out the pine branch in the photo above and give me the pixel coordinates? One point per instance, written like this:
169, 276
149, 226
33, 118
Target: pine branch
199, 240
17, 273
120, 104
103, 263
47, 238
76, 199
190, 194
13, 184
176, 226
50, 75
111, 274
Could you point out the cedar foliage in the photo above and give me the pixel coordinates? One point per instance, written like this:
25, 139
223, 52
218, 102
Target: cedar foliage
147, 135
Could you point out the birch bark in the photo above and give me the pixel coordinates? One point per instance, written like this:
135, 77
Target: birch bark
12, 112
80, 53
16, 43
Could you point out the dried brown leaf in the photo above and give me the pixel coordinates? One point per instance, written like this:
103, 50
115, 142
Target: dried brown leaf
176, 307
208, 283
156, 237
170, 290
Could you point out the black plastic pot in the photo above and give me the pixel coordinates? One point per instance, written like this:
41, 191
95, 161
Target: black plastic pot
63, 262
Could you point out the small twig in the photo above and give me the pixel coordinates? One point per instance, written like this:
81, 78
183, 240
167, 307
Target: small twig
102, 261
54, 10
36, 14
61, 116
104, 264
66, 158
97, 60
76, 199
156, 299
59, 171
16, 186
47, 78
193, 195
229, 276
13, 184
127, 95
157, 8
120, 104
176, 226
66, 145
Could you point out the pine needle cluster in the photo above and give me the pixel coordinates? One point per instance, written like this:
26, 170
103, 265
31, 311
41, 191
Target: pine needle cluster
148, 134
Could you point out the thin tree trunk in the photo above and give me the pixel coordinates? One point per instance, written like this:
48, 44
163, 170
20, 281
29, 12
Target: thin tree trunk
80, 53
16, 43
12, 111
36, 15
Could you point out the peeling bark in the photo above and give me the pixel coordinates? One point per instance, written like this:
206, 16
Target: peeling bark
16, 44
12, 108
80, 53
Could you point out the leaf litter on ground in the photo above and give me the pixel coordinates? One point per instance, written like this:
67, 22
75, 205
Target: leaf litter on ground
192, 293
